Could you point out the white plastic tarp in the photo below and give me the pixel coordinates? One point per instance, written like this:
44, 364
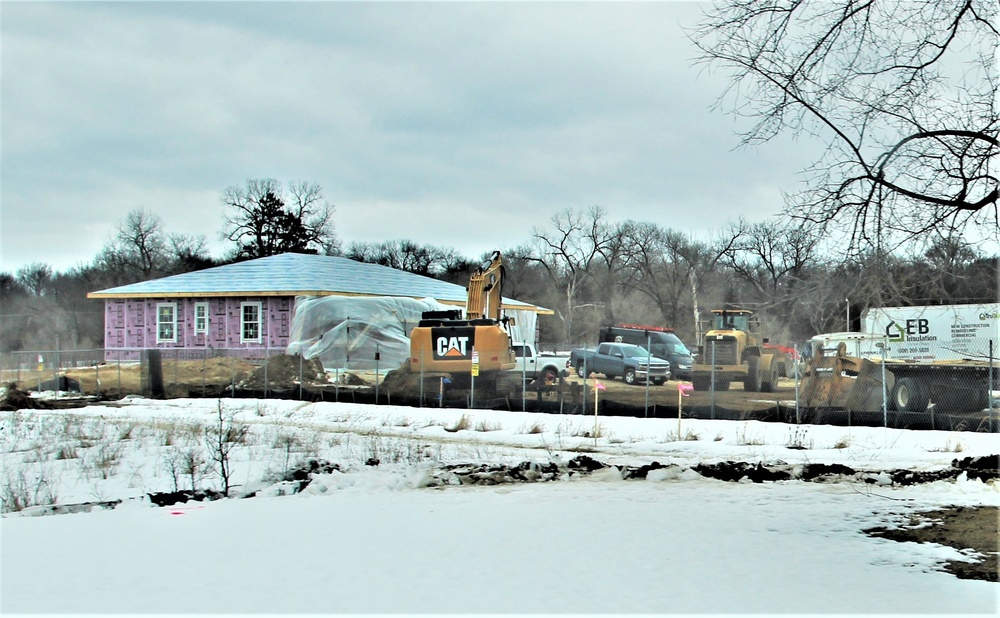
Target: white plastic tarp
346, 332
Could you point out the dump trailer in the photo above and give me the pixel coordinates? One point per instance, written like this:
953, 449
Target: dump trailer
734, 350
847, 371
936, 332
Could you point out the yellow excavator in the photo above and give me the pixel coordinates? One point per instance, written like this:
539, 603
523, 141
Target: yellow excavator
475, 345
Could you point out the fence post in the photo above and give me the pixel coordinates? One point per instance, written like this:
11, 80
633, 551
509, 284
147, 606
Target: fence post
712, 388
376, 373
649, 362
989, 386
885, 406
524, 375
472, 381
795, 363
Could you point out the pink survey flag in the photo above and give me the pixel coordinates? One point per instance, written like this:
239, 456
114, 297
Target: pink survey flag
599, 386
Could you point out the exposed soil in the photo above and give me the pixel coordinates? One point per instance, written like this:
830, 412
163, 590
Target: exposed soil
284, 372
180, 377
16, 399
960, 527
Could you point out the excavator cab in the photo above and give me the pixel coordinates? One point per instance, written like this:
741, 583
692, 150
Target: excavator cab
446, 342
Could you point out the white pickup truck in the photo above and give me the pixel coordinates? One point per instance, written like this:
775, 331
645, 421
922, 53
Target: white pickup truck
547, 366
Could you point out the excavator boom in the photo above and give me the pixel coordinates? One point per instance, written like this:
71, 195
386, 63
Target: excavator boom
485, 288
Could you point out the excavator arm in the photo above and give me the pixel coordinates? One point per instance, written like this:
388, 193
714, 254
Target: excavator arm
485, 289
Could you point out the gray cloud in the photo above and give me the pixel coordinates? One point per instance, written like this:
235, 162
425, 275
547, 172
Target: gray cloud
456, 124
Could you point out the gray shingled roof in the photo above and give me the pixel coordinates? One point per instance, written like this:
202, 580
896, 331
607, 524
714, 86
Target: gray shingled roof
292, 274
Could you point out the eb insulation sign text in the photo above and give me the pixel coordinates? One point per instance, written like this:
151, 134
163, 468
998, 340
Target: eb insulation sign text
453, 343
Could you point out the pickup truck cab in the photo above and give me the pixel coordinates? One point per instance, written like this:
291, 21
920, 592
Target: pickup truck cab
545, 366
633, 363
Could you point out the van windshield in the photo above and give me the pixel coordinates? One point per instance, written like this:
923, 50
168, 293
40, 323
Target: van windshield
670, 345
680, 348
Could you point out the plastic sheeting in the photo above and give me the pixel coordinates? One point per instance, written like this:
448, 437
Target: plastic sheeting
346, 332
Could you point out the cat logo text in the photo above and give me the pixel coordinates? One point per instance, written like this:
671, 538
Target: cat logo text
453, 343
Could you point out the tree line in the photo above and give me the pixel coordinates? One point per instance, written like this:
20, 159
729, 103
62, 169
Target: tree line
589, 269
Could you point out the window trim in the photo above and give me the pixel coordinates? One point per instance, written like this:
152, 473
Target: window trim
244, 323
201, 314
160, 323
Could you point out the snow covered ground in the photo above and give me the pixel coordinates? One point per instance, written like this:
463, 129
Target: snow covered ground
398, 538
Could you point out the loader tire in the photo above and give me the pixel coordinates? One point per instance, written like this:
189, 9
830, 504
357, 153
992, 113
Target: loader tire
752, 382
701, 383
771, 383
908, 396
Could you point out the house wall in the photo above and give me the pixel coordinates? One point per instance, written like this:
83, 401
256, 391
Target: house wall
130, 326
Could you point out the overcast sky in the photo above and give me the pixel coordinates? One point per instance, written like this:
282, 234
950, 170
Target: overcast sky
461, 125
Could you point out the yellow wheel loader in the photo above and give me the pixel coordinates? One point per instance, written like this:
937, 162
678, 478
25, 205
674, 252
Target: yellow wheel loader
733, 350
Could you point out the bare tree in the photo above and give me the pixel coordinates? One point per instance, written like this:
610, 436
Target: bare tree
772, 258
570, 252
904, 92
263, 221
35, 277
220, 439
406, 255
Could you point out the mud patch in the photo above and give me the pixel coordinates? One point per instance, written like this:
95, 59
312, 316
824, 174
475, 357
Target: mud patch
963, 528
170, 498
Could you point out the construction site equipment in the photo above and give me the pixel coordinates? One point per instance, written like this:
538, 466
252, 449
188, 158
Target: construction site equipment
464, 347
733, 349
847, 371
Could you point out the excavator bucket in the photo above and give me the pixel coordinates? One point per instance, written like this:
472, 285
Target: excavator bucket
845, 383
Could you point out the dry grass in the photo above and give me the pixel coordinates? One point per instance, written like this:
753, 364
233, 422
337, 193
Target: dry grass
485, 425
462, 424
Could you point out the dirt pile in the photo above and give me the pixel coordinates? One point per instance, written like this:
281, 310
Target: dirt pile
16, 399
402, 380
285, 372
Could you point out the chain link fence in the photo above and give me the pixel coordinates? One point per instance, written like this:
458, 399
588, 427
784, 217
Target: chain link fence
959, 394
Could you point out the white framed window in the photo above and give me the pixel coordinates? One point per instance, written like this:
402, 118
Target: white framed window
166, 322
200, 318
250, 322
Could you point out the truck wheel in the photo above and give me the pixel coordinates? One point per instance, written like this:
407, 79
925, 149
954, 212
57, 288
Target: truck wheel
771, 383
752, 382
629, 376
579, 371
964, 400
658, 381
908, 396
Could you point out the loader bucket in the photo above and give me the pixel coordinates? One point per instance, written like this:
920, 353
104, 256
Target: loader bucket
845, 383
